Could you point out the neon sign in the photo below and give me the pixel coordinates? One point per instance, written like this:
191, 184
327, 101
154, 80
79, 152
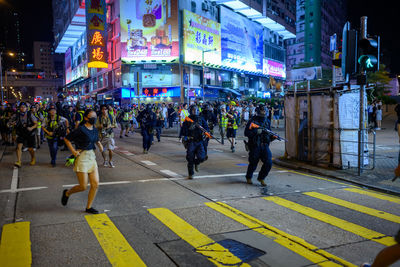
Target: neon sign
96, 33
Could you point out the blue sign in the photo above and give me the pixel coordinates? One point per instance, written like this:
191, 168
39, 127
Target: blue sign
241, 42
332, 43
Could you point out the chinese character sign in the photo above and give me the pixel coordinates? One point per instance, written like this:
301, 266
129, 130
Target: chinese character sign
149, 30
96, 33
241, 42
201, 34
273, 68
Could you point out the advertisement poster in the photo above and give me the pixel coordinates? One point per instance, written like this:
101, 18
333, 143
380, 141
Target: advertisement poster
149, 30
241, 42
156, 79
201, 34
273, 68
68, 71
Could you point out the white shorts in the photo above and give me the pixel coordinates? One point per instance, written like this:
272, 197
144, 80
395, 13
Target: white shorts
85, 162
108, 143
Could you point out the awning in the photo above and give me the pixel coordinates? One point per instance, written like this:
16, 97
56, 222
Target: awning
231, 91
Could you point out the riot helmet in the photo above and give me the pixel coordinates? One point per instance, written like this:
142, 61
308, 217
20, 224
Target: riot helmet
194, 110
261, 110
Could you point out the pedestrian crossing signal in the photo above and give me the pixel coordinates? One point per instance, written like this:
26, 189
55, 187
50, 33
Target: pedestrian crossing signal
368, 59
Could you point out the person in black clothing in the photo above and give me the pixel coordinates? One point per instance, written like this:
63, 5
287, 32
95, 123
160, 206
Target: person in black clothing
85, 138
258, 145
159, 123
147, 120
211, 120
171, 115
194, 140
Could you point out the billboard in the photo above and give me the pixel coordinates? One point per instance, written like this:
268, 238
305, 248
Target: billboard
149, 30
303, 74
68, 68
273, 68
96, 30
241, 42
201, 34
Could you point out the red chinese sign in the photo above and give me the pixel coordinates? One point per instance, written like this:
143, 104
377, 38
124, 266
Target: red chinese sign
96, 33
158, 92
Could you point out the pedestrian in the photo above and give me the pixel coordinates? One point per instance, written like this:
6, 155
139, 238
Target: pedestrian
147, 120
387, 256
171, 115
105, 125
258, 145
183, 114
231, 128
379, 117
164, 111
123, 119
54, 127
85, 138
222, 123
39, 118
159, 123
374, 112
25, 124
193, 140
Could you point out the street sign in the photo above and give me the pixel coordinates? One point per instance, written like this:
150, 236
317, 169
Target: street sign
332, 44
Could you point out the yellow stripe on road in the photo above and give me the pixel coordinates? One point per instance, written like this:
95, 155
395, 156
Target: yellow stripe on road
356, 207
375, 195
342, 224
214, 252
294, 243
115, 246
15, 246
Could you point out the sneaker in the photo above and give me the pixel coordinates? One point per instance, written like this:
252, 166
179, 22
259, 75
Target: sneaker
105, 164
111, 164
262, 182
127, 135
24, 149
144, 151
17, 164
120, 136
196, 167
64, 198
190, 177
33, 161
397, 171
248, 181
92, 211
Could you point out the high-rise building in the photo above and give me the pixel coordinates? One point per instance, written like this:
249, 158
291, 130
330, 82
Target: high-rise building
43, 57
316, 21
172, 50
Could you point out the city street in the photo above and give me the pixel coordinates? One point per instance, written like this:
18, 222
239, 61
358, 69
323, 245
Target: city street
152, 215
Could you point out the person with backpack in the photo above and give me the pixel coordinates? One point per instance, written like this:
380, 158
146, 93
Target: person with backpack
25, 124
54, 127
78, 116
123, 119
105, 125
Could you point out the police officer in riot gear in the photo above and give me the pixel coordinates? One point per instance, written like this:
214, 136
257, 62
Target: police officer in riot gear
147, 120
258, 145
193, 139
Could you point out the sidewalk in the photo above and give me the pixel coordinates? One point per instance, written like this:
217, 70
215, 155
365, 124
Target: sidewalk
387, 151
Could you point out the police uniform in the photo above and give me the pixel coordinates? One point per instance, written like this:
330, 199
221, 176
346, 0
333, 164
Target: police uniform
258, 148
193, 136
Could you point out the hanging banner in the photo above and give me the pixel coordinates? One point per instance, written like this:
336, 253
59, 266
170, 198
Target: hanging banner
96, 26
201, 34
149, 30
273, 68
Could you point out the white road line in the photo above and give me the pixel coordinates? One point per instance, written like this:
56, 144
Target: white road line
170, 173
23, 189
14, 180
103, 183
282, 171
149, 163
217, 150
129, 154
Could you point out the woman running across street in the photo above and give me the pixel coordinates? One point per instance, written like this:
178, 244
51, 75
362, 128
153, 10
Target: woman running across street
85, 137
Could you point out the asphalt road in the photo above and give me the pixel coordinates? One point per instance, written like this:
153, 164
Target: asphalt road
152, 215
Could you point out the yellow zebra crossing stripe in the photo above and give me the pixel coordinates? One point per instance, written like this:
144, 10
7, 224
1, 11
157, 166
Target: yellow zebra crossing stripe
356, 207
340, 223
375, 195
15, 246
115, 246
293, 243
214, 252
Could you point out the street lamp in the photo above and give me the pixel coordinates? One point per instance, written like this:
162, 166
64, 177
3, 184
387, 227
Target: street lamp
202, 62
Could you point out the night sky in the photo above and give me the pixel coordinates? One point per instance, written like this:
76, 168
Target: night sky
36, 20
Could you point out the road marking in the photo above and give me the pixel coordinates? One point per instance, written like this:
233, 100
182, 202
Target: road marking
129, 154
329, 219
149, 163
375, 195
23, 189
14, 180
15, 246
217, 150
170, 173
356, 207
222, 175
281, 171
115, 246
291, 242
204, 245
103, 183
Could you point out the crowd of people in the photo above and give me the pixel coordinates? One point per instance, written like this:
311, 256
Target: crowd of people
375, 114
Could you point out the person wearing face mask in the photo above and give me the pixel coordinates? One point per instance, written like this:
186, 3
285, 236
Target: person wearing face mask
147, 120
25, 124
85, 137
223, 122
258, 145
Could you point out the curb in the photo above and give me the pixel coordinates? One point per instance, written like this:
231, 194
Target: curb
322, 172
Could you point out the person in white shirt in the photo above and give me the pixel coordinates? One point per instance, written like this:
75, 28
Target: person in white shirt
164, 111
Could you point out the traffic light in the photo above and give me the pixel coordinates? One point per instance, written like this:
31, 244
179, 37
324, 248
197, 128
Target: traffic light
368, 58
349, 51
